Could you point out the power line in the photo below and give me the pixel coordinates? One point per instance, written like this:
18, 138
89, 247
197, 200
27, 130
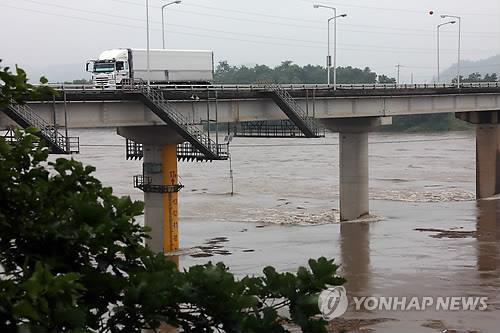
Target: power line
392, 9
363, 47
393, 30
295, 19
383, 50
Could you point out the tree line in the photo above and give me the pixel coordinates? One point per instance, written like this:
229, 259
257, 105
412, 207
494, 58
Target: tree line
478, 77
288, 72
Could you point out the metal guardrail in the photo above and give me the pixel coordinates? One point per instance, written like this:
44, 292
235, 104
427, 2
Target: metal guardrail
292, 87
145, 184
267, 129
185, 152
63, 144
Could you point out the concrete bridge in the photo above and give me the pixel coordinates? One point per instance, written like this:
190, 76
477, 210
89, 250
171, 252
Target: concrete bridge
165, 121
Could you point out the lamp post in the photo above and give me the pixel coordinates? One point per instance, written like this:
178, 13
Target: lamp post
328, 59
438, 46
459, 43
163, 18
147, 44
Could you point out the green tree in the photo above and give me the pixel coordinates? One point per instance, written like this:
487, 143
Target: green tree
477, 77
15, 87
491, 77
383, 79
288, 72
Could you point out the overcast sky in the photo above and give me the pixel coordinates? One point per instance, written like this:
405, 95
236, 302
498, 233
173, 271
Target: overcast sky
376, 33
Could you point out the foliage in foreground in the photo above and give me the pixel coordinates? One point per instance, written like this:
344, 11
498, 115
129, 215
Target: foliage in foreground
15, 87
72, 260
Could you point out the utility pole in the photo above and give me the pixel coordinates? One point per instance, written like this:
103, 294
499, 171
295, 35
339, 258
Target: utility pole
398, 66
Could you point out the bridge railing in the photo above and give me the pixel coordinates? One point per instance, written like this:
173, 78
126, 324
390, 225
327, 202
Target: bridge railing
48, 131
262, 87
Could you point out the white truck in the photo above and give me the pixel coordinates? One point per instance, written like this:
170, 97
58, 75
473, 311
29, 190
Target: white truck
166, 67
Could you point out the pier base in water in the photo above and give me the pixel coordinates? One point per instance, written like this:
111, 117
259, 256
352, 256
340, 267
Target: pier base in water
487, 151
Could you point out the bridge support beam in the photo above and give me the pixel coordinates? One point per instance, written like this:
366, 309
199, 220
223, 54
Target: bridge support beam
159, 171
487, 151
354, 163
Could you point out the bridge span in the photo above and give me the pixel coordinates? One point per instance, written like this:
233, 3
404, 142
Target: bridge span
166, 123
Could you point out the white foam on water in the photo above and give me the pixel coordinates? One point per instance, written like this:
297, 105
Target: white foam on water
286, 217
280, 217
424, 196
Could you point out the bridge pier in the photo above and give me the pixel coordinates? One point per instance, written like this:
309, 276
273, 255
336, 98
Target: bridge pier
354, 179
487, 151
161, 209
159, 182
354, 163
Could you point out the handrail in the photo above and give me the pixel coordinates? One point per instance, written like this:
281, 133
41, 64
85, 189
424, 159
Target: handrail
262, 87
310, 122
157, 98
48, 131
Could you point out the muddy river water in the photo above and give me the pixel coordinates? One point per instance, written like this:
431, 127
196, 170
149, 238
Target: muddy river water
428, 236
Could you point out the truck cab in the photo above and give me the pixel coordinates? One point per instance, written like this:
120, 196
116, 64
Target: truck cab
109, 69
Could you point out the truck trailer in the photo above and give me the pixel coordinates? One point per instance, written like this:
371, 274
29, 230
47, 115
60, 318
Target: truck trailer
166, 67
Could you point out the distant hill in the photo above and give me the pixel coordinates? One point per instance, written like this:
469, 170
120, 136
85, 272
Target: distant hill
485, 66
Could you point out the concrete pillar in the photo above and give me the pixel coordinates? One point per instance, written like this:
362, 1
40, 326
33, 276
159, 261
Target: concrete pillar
488, 236
487, 151
161, 209
354, 178
355, 256
487, 160
354, 196
160, 168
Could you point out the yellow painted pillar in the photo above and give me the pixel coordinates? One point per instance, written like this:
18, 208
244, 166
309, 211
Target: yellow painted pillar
170, 200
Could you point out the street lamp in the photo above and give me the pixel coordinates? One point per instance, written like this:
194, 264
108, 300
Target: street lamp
329, 58
459, 43
438, 42
163, 18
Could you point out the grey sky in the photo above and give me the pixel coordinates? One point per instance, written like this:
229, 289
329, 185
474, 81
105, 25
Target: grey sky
376, 33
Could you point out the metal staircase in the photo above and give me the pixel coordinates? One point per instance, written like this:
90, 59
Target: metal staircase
200, 142
185, 152
58, 142
308, 125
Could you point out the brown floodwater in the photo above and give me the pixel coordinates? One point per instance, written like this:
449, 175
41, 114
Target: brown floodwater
427, 237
